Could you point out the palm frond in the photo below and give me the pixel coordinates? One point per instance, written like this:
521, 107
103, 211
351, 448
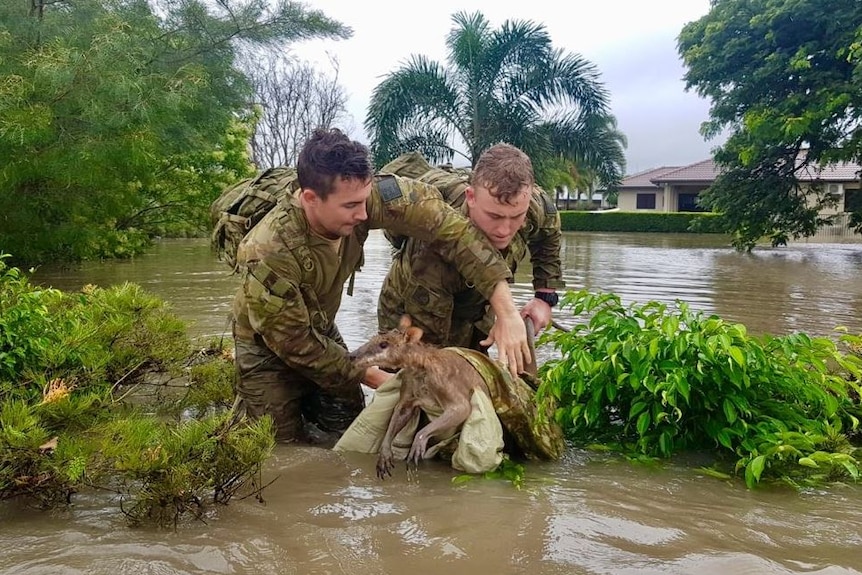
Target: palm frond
467, 40
419, 93
502, 85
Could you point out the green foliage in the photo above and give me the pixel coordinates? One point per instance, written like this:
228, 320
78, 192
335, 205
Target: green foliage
88, 340
123, 120
504, 85
678, 222
589, 168
784, 77
508, 470
26, 324
174, 468
211, 384
69, 418
656, 381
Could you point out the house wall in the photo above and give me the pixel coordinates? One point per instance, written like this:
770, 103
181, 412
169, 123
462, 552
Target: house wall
840, 190
667, 197
627, 199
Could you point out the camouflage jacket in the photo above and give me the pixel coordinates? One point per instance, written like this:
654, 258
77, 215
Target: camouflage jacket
530, 423
445, 303
292, 280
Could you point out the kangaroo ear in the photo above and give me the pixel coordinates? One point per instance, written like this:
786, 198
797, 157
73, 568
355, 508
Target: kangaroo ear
414, 334
405, 322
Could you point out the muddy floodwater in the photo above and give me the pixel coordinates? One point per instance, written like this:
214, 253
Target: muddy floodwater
589, 513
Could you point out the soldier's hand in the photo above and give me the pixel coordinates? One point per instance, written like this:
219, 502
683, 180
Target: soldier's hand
510, 335
539, 312
375, 377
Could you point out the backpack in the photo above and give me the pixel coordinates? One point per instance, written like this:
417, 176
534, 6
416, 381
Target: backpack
450, 182
240, 207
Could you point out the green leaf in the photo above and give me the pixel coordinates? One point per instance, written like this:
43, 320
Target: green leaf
807, 462
729, 410
851, 468
715, 473
683, 388
723, 438
754, 470
665, 443
637, 408
737, 356
643, 423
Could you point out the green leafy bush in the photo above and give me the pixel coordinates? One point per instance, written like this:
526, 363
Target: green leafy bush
654, 381
27, 329
70, 419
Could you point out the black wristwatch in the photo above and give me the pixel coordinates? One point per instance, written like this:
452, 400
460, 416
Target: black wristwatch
549, 297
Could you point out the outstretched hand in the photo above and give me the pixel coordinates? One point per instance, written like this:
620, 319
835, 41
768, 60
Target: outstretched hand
510, 335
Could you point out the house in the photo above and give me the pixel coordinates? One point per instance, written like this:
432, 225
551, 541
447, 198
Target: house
568, 199
676, 188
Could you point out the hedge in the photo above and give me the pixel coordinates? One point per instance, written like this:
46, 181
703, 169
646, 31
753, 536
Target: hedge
675, 222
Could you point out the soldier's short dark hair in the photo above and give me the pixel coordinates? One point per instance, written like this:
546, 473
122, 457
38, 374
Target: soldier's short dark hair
503, 170
330, 154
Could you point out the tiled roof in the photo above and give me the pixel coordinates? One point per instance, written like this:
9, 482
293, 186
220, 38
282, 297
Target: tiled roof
644, 179
842, 172
703, 171
706, 172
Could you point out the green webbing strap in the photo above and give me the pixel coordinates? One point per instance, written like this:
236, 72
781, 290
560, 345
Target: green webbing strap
295, 238
350, 283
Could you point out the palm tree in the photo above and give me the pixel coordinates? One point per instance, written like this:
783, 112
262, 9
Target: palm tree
602, 155
505, 85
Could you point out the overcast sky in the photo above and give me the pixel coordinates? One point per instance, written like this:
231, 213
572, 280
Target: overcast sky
632, 43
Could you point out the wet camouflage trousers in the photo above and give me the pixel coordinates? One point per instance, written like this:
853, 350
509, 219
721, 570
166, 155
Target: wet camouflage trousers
267, 386
534, 430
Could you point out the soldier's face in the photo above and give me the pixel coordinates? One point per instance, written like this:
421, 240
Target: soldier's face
499, 221
341, 211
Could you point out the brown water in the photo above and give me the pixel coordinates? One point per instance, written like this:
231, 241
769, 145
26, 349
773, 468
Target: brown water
328, 513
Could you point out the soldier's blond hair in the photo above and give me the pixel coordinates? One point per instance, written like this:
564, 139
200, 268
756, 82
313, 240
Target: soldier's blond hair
503, 170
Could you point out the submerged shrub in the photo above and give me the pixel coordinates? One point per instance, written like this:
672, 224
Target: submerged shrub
69, 367
651, 380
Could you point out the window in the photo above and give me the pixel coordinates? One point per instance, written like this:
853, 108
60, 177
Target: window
688, 203
646, 202
852, 200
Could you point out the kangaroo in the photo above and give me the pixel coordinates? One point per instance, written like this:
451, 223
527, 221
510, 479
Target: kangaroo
431, 378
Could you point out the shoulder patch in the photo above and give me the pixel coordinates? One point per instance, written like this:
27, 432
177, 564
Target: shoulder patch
550, 207
388, 189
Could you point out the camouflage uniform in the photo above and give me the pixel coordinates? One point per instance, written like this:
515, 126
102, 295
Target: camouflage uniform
291, 360
529, 425
443, 302
452, 312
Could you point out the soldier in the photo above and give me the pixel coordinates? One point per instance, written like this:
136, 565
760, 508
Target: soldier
291, 360
502, 202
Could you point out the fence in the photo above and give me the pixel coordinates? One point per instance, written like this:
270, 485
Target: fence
838, 230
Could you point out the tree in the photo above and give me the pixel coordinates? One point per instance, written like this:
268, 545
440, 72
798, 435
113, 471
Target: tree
607, 145
785, 76
120, 118
294, 99
509, 85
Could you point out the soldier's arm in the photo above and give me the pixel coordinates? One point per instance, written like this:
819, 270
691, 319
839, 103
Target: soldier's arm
544, 241
277, 312
415, 209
